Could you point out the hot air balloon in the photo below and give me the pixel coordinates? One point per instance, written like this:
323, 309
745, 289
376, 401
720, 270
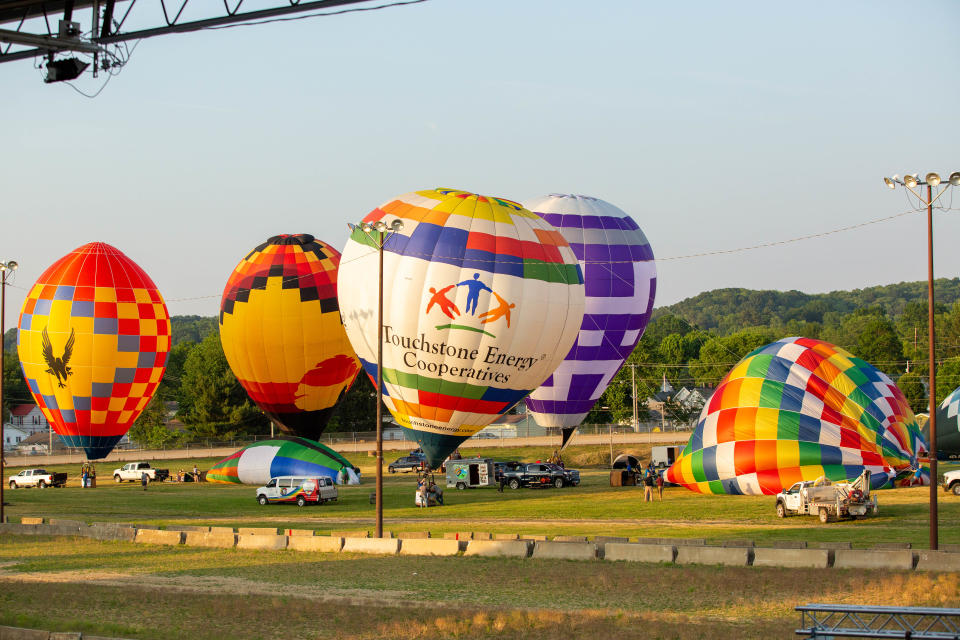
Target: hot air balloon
260, 461
948, 427
93, 339
482, 299
282, 335
620, 279
794, 410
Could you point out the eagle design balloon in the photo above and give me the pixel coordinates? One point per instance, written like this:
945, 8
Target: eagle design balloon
93, 339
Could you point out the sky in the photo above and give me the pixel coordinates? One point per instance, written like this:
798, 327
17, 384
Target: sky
715, 125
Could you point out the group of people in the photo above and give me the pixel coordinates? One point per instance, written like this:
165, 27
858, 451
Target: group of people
194, 475
649, 477
428, 492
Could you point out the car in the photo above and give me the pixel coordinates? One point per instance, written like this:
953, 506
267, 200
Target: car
297, 489
571, 477
534, 474
406, 463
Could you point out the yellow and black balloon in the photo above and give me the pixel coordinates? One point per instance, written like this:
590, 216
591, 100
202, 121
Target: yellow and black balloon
282, 334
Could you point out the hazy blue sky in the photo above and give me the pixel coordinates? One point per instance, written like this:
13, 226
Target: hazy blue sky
715, 125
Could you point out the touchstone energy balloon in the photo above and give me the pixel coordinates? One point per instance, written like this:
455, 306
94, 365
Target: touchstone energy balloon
794, 410
482, 300
93, 339
620, 280
282, 335
260, 461
948, 427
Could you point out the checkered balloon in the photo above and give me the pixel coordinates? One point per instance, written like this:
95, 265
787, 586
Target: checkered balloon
798, 409
93, 339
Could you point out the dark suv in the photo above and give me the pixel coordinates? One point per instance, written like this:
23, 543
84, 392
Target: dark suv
406, 463
534, 474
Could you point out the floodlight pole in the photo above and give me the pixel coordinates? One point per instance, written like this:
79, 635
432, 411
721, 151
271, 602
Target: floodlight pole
911, 182
5, 268
379, 233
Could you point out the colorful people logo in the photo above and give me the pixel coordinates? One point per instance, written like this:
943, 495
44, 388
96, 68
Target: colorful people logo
475, 287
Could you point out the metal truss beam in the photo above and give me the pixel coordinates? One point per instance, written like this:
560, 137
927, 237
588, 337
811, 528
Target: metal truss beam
853, 621
229, 18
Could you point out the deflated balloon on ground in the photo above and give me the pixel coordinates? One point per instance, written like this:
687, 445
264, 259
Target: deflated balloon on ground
260, 461
798, 409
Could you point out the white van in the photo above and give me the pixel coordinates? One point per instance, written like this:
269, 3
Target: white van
316, 489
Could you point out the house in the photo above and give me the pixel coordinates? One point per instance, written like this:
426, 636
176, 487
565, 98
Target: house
693, 399
13, 436
28, 418
39, 444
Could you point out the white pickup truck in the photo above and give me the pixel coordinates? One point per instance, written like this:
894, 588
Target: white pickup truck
951, 482
828, 500
37, 478
133, 472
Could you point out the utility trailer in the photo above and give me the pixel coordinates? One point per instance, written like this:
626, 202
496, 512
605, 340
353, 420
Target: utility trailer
828, 500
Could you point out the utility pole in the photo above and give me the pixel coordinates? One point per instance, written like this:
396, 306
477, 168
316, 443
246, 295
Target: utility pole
911, 182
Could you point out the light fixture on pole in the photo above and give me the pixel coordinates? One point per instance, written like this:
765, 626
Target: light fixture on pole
930, 181
6, 268
378, 233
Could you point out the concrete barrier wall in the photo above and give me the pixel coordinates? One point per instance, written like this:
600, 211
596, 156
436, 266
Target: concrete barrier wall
17, 633
736, 543
482, 535
187, 527
815, 558
506, 536
322, 544
569, 538
222, 530
28, 520
350, 534
727, 556
110, 532
629, 552
533, 537
684, 542
413, 535
257, 531
429, 547
565, 550
502, 548
155, 536
872, 559
382, 546
66, 523
263, 542
19, 529
938, 561
209, 539
790, 544
298, 532
60, 529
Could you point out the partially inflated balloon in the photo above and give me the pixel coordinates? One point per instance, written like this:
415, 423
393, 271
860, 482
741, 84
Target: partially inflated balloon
948, 427
93, 342
620, 278
282, 335
260, 461
794, 410
482, 299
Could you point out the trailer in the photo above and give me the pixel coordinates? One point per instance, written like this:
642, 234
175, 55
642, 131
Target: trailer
828, 500
468, 473
665, 456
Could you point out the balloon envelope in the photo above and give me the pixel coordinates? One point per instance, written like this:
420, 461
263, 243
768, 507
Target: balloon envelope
258, 462
282, 335
93, 339
482, 299
620, 280
948, 427
794, 410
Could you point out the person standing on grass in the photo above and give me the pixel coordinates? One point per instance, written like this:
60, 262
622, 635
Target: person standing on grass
648, 486
660, 486
144, 479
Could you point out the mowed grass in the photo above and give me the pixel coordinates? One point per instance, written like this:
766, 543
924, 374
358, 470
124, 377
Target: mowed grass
142, 591
594, 508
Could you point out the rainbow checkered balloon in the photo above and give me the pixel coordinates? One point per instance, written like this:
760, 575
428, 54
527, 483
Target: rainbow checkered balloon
794, 410
260, 461
93, 339
482, 300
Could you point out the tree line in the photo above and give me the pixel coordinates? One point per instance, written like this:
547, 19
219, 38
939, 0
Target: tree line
692, 343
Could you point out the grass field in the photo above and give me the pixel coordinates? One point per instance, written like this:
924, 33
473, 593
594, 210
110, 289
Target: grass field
594, 508
138, 591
